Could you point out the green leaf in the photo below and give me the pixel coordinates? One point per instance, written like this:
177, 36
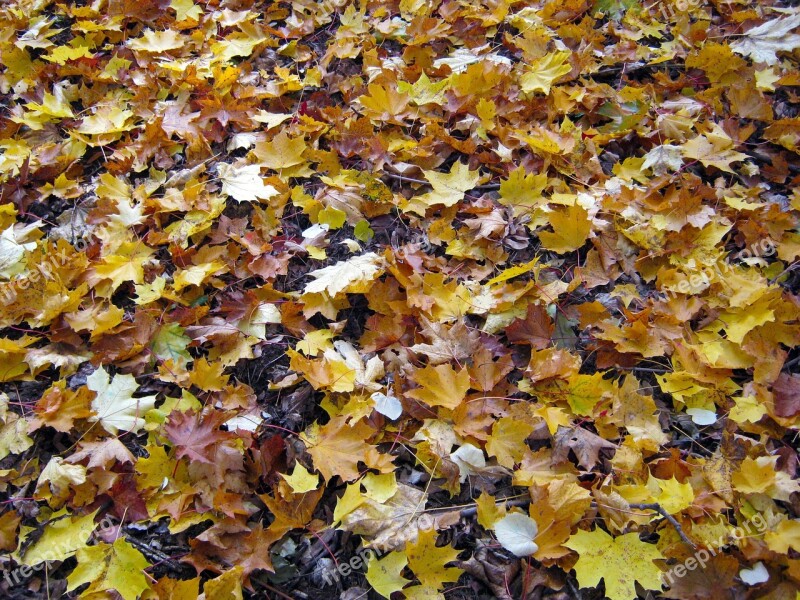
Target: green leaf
363, 231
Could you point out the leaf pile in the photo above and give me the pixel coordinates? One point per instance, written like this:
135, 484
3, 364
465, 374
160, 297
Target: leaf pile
464, 297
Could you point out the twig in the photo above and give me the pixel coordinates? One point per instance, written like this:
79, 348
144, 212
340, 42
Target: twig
472, 510
791, 363
576, 593
155, 555
404, 178
672, 520
485, 187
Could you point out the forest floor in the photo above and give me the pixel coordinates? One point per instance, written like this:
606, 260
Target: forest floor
357, 299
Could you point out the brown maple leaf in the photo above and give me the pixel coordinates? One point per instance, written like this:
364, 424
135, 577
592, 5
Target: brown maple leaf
786, 391
536, 329
585, 444
195, 435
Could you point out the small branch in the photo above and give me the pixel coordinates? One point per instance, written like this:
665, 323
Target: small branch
399, 177
791, 363
473, 510
155, 555
486, 187
576, 593
672, 520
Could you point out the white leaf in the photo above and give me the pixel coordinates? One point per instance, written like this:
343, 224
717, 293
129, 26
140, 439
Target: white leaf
244, 183
271, 119
516, 533
388, 406
663, 158
469, 460
337, 278
255, 323
701, 416
116, 409
758, 574
12, 251
459, 60
762, 42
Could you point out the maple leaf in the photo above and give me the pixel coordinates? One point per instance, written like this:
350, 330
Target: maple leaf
385, 103
507, 442
440, 385
785, 536
786, 392
585, 444
301, 480
244, 183
126, 264
386, 517
424, 91
428, 561
196, 436
337, 447
571, 227
761, 43
60, 539
114, 405
714, 150
106, 567
103, 454
448, 188
619, 562
536, 329
157, 41
663, 158
282, 152
13, 431
348, 275
542, 73
523, 192
383, 574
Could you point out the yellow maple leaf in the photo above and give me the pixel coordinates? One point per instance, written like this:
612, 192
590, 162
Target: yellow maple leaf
543, 72
440, 385
448, 188
571, 227
428, 561
786, 535
157, 41
337, 448
424, 91
301, 480
713, 150
507, 442
106, 567
126, 264
282, 152
760, 476
523, 193
59, 540
620, 562
383, 574
385, 104
672, 495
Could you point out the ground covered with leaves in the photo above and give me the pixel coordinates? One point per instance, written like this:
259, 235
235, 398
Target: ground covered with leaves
348, 299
